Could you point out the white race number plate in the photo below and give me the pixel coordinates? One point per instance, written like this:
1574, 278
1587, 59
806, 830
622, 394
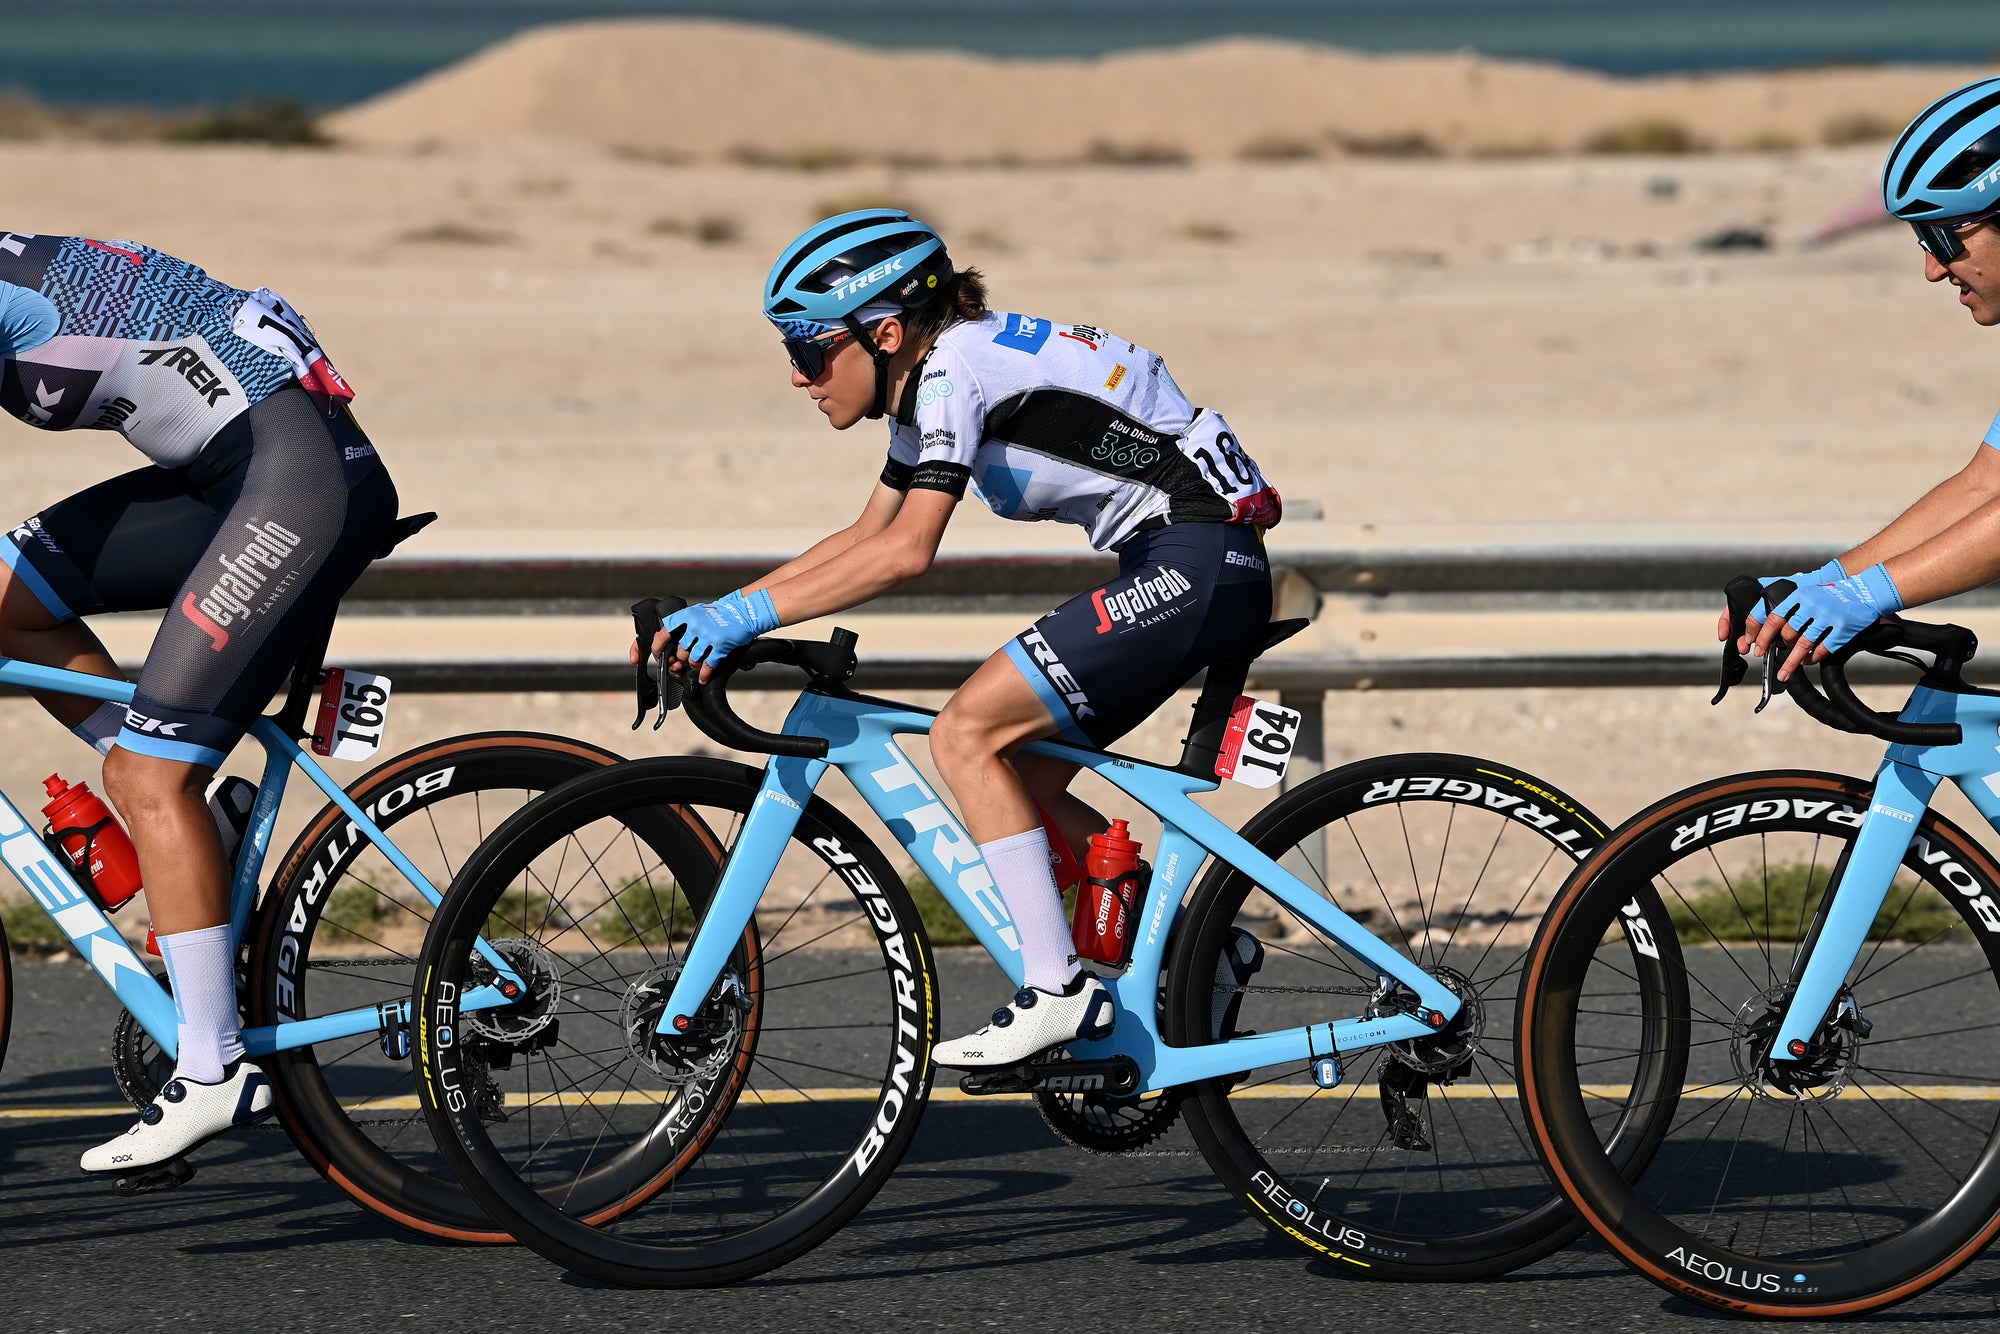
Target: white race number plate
353, 709
1258, 746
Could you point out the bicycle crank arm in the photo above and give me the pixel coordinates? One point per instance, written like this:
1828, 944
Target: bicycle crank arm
1119, 1075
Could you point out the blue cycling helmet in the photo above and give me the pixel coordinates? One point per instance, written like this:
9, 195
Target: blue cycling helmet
1946, 167
871, 262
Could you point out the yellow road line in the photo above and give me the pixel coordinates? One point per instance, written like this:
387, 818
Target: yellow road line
783, 1097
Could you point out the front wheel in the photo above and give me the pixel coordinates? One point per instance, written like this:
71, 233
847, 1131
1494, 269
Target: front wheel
653, 1160
340, 928
1417, 1165
1854, 1177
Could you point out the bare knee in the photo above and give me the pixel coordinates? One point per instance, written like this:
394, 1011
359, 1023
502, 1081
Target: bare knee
143, 786
961, 744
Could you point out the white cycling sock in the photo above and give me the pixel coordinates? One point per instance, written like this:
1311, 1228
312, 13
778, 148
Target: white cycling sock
1020, 867
101, 728
204, 979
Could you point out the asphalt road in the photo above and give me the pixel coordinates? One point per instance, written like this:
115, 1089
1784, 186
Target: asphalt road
990, 1221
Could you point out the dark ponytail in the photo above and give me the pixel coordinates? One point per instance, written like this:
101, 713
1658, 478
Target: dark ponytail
960, 298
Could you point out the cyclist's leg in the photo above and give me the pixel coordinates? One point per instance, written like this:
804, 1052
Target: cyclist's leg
301, 513
120, 545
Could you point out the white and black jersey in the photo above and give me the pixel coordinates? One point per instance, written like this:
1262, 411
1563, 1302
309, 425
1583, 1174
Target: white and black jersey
1068, 422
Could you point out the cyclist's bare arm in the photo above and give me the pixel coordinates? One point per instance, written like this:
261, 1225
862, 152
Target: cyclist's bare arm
883, 505
871, 565
1946, 543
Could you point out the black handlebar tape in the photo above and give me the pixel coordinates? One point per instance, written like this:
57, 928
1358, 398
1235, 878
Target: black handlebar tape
1833, 679
708, 705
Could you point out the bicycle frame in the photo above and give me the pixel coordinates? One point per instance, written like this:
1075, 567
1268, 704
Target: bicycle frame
1904, 784
862, 734
50, 883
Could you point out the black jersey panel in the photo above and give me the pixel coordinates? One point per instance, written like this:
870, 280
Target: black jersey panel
1090, 433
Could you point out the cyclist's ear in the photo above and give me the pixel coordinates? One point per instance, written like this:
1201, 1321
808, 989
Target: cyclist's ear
889, 335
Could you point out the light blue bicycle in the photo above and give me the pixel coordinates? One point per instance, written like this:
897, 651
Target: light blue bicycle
1330, 1002
1814, 1023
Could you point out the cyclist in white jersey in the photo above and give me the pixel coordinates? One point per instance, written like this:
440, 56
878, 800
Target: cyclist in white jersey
261, 502
1043, 421
1943, 178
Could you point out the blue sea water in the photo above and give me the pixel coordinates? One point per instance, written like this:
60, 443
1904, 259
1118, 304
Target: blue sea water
214, 51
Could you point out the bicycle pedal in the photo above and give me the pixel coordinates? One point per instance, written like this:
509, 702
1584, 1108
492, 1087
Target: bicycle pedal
166, 1176
1115, 1076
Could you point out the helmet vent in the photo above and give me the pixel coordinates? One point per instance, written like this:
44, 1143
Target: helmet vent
1942, 133
787, 306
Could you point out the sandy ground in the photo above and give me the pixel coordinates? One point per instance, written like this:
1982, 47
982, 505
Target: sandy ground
542, 339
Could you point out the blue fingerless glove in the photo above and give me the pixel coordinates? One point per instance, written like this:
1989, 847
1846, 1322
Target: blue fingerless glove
1828, 573
1832, 614
711, 631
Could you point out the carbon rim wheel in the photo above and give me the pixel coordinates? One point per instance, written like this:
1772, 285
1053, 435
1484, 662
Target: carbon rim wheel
1850, 1179
795, 1091
1417, 1165
340, 928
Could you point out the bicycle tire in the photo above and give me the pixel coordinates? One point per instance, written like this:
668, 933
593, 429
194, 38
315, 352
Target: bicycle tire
6, 994
374, 1148
763, 1155
1719, 1218
1447, 858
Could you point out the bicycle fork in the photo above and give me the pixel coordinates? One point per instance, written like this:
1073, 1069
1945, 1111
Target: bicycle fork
1855, 894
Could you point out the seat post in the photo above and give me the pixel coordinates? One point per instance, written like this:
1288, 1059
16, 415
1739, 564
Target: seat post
1202, 746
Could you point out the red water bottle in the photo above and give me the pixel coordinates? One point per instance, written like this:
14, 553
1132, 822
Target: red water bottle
93, 840
1107, 903
1062, 858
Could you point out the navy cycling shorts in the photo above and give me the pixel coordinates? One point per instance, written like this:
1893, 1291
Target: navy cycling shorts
1187, 596
248, 549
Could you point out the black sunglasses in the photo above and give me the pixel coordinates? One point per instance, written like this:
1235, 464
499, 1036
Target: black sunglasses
1940, 239
809, 354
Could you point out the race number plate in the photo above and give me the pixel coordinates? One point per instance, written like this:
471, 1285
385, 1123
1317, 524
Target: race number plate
1258, 746
353, 709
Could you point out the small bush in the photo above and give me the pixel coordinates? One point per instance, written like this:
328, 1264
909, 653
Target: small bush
1508, 151
642, 913
1654, 134
526, 912
260, 120
30, 933
1214, 233
1857, 127
709, 228
358, 908
1410, 143
656, 157
455, 233
1772, 141
1105, 153
813, 157
1780, 906
1277, 148
942, 924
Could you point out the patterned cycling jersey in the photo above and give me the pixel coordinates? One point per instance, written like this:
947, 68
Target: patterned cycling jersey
119, 336
1070, 423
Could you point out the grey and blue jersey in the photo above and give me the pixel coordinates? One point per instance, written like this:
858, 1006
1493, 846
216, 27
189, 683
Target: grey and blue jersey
114, 335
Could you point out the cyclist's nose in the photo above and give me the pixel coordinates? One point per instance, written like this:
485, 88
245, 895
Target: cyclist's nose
1933, 272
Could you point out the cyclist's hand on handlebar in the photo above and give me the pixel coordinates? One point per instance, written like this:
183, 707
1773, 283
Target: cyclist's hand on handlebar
710, 631
1819, 619
1752, 623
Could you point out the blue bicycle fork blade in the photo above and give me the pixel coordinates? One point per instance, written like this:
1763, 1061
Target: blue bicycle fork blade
1901, 796
787, 787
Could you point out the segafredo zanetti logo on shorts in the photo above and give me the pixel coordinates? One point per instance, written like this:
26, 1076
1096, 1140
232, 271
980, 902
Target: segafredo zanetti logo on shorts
242, 589
1147, 600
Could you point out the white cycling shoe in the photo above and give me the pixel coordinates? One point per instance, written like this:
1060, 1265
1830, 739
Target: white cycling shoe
1032, 1022
186, 1115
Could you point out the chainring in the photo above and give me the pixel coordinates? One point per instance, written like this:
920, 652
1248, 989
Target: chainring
137, 1062
1106, 1123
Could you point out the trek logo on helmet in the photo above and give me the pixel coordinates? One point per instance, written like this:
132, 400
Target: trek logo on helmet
868, 279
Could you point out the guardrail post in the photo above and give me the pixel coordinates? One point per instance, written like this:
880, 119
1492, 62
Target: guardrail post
1308, 760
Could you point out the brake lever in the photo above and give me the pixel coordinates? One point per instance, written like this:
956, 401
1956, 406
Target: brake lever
651, 682
1743, 593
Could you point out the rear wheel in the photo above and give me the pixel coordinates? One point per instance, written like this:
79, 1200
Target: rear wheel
747, 1141
340, 929
1854, 1177
1417, 1165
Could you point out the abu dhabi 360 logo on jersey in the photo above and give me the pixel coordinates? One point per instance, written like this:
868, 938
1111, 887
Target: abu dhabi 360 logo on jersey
1147, 599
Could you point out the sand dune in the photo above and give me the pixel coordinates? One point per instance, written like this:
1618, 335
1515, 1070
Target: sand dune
708, 90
